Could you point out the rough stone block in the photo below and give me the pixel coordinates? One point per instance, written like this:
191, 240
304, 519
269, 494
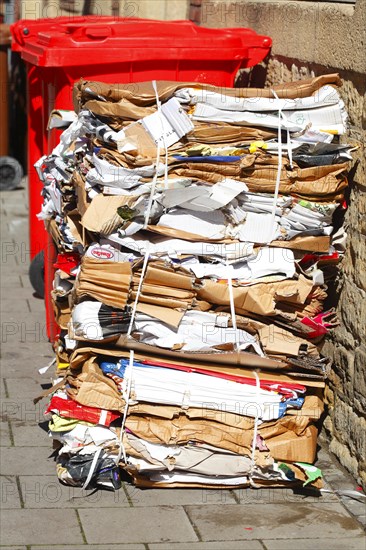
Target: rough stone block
360, 377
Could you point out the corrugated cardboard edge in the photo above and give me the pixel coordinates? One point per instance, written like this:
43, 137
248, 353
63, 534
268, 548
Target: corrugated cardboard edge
204, 360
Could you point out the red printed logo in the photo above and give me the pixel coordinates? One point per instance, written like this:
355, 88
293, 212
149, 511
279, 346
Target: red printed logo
102, 254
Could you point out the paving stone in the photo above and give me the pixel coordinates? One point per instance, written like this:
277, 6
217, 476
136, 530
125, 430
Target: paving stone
94, 547
26, 282
15, 366
9, 493
27, 461
357, 543
10, 282
5, 434
239, 522
22, 412
8, 305
26, 387
362, 520
273, 495
153, 524
13, 547
29, 436
227, 545
8, 258
176, 497
20, 292
356, 507
3, 390
40, 527
13, 318
48, 492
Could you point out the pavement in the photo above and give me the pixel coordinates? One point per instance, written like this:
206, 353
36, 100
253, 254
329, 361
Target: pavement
39, 513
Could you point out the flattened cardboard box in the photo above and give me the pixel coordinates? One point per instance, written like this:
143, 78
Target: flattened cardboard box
241, 363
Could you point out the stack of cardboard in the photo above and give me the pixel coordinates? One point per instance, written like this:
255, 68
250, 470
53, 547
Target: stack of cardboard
195, 238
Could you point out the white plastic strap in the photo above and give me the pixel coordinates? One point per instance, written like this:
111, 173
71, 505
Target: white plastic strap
92, 467
158, 104
126, 396
255, 432
152, 191
232, 303
289, 149
279, 168
144, 266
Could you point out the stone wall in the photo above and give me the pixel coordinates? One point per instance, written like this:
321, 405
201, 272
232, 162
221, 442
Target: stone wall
150, 9
311, 38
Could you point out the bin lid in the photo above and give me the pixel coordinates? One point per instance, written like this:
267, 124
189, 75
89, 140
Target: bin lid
27, 29
105, 40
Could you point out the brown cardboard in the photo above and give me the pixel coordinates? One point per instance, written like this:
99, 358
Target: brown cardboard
143, 94
62, 311
234, 434
92, 388
138, 136
107, 282
241, 363
101, 215
141, 481
81, 194
278, 341
168, 315
260, 299
76, 229
309, 244
321, 184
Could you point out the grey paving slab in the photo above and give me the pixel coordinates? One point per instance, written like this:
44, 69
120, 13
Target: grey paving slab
362, 520
10, 497
94, 547
8, 305
356, 507
27, 387
352, 543
9, 263
13, 365
30, 436
238, 522
10, 281
27, 461
13, 547
3, 389
25, 281
275, 495
48, 492
22, 411
227, 545
5, 435
21, 292
40, 527
12, 317
152, 524
177, 497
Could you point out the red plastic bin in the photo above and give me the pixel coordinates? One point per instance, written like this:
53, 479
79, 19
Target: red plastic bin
60, 51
